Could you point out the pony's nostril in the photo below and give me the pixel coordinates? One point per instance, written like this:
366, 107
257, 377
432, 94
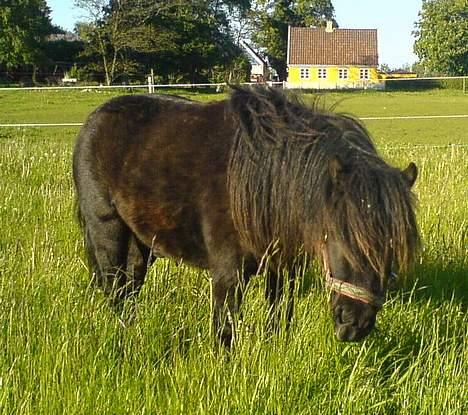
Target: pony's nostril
339, 315
347, 317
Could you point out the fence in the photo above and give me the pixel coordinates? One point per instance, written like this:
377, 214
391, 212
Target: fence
397, 84
402, 117
152, 88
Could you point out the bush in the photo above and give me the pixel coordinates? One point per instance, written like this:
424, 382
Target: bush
424, 84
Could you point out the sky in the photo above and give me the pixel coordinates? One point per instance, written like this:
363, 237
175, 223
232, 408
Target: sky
394, 21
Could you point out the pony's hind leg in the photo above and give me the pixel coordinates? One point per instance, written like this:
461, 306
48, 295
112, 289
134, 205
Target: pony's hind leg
118, 260
139, 259
107, 240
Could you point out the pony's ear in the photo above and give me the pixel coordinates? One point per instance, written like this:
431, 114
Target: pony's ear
410, 174
337, 170
244, 105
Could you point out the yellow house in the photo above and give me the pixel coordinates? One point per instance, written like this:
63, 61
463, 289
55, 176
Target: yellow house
331, 58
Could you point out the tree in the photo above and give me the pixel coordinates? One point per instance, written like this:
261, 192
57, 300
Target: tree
101, 33
441, 36
24, 26
205, 48
112, 27
272, 19
181, 39
384, 67
63, 52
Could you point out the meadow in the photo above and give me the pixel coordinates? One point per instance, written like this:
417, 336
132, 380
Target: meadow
62, 350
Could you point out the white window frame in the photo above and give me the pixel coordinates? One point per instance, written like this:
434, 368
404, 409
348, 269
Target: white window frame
322, 73
304, 73
364, 74
343, 73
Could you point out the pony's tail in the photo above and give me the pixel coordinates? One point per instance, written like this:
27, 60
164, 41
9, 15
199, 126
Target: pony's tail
91, 261
79, 215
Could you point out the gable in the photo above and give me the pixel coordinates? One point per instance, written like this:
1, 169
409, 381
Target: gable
316, 46
254, 57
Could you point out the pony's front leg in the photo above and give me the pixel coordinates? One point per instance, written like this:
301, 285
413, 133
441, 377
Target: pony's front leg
228, 286
230, 272
226, 298
275, 293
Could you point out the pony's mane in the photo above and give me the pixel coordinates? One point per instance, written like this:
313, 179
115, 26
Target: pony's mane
284, 188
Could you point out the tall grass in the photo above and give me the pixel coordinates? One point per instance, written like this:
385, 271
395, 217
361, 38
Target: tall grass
64, 351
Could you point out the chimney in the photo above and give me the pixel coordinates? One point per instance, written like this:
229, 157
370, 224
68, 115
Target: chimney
329, 28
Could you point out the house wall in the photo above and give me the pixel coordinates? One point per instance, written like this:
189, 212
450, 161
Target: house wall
332, 81
259, 70
259, 73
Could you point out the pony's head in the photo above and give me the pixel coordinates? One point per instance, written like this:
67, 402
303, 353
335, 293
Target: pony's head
376, 234
312, 179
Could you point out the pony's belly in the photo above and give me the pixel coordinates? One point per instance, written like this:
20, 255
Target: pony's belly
180, 244
169, 231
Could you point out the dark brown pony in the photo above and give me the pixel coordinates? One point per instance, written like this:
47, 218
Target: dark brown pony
221, 185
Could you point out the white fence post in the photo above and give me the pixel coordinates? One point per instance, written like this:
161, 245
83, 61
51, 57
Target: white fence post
150, 84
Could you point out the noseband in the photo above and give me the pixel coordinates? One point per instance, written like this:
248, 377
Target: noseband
347, 289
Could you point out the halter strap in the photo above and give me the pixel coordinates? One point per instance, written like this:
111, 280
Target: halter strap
353, 291
347, 289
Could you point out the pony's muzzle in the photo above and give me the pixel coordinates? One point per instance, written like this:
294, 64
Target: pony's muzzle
353, 323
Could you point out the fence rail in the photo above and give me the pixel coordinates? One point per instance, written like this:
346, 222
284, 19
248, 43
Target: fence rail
404, 117
40, 125
413, 117
151, 87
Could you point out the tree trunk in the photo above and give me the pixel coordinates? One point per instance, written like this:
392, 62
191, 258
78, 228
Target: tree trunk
106, 71
104, 59
34, 75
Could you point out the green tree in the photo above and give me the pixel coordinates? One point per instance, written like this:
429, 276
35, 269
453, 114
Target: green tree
62, 55
272, 18
180, 39
102, 33
203, 48
112, 28
24, 26
442, 36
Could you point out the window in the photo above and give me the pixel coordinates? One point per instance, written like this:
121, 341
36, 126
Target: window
364, 73
343, 73
322, 73
304, 73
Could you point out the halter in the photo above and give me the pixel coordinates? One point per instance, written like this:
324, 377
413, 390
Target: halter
347, 289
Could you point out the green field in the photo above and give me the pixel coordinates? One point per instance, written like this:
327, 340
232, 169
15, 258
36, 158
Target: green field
62, 350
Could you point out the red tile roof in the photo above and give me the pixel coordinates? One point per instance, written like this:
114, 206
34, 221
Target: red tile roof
316, 46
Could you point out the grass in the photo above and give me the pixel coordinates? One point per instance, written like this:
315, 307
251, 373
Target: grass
73, 106
64, 351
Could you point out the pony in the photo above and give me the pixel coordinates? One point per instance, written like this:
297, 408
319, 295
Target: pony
223, 185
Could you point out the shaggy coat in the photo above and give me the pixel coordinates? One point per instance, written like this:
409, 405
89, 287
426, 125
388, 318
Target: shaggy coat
218, 185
